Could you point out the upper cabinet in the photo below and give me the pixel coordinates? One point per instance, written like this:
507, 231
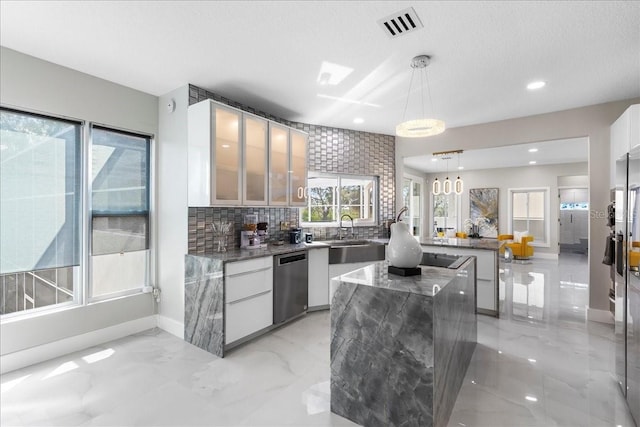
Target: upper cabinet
236, 158
256, 160
278, 164
625, 136
298, 168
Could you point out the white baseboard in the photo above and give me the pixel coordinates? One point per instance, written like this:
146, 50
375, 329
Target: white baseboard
601, 316
172, 326
20, 359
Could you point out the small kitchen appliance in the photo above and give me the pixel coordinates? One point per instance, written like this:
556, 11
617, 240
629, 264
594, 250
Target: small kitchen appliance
295, 236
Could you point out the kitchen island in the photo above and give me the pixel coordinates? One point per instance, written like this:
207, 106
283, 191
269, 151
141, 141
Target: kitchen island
400, 346
487, 253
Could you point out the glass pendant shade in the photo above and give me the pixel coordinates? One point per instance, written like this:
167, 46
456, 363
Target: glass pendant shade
436, 187
420, 128
458, 186
446, 187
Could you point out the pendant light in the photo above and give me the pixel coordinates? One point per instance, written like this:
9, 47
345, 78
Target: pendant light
446, 187
436, 187
458, 185
424, 126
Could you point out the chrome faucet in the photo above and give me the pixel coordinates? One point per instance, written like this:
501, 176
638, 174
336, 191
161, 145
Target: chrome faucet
341, 228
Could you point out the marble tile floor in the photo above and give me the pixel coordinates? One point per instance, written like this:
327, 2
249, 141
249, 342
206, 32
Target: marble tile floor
540, 364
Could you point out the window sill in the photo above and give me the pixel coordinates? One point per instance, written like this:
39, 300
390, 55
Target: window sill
336, 225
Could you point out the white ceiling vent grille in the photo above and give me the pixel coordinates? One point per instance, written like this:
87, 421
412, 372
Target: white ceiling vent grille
400, 23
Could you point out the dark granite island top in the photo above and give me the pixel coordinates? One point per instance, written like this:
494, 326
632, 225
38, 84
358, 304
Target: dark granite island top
400, 346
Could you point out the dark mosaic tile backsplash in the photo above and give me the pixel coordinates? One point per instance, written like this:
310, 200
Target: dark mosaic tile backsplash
330, 150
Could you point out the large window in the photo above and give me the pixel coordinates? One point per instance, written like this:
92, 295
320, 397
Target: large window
119, 211
44, 252
446, 217
40, 201
529, 208
331, 196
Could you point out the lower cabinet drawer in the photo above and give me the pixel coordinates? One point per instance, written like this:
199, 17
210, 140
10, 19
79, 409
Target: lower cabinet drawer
247, 316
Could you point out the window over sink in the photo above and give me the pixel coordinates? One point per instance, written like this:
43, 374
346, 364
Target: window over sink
330, 196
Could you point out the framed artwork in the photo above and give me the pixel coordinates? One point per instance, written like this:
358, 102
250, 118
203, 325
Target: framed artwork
483, 202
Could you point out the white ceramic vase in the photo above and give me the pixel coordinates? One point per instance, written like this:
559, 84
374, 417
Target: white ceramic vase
404, 250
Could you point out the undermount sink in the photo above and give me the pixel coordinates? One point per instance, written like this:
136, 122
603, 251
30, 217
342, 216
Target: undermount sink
349, 251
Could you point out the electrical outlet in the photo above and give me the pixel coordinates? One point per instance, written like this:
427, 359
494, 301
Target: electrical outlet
284, 225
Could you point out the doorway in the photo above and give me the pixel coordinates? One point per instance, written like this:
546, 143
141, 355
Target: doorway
573, 220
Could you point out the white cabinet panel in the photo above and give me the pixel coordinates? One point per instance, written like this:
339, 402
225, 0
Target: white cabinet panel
298, 168
244, 317
247, 284
199, 155
233, 268
318, 277
486, 272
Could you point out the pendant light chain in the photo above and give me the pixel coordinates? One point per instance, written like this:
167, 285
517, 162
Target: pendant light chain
406, 104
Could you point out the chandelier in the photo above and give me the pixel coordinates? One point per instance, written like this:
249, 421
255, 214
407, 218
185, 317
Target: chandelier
423, 126
447, 186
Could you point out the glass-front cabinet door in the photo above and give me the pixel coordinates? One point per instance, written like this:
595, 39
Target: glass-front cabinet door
255, 161
226, 156
278, 164
298, 171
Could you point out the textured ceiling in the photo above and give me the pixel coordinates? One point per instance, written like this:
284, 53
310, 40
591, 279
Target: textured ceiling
268, 54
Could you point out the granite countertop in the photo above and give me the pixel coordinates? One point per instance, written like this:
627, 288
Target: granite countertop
486, 244
429, 283
237, 254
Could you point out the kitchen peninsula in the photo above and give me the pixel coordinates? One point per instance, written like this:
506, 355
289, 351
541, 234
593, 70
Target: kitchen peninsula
487, 253
400, 346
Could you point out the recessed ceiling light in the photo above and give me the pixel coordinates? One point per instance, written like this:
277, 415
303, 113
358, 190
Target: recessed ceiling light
358, 120
460, 168
532, 360
531, 398
533, 150
225, 145
536, 85
332, 74
435, 159
532, 162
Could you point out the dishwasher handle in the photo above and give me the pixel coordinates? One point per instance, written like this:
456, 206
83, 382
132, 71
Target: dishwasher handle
287, 259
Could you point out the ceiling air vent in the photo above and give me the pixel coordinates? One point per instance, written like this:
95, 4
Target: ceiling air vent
400, 23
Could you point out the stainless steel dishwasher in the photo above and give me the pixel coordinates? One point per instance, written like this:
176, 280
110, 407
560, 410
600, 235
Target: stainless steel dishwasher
290, 286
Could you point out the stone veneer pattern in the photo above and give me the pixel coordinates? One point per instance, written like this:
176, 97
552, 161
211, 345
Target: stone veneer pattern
331, 150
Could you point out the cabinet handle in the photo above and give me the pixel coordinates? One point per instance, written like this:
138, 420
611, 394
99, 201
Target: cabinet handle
244, 273
249, 297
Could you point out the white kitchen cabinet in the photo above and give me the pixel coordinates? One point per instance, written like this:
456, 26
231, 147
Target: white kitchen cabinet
255, 160
248, 297
486, 273
236, 158
298, 168
318, 278
278, 164
214, 155
624, 130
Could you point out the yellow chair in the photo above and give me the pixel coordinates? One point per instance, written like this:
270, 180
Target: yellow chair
461, 235
520, 250
634, 257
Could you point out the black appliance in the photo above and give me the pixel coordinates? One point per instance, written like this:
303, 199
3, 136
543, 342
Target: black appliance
295, 236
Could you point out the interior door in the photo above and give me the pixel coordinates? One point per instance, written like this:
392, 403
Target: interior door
574, 220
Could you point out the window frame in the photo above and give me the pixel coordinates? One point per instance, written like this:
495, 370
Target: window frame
90, 298
338, 205
547, 212
79, 270
81, 273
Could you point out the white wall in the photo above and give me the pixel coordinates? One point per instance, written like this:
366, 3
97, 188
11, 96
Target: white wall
172, 209
33, 84
521, 177
593, 122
